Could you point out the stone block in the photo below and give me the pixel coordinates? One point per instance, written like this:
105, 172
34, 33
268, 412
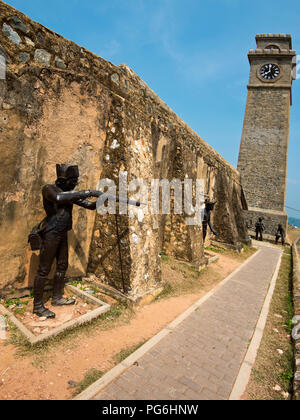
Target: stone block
43, 56
11, 34
17, 24
60, 63
24, 57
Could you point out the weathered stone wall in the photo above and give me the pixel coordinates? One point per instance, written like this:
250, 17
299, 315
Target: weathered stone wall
264, 148
62, 104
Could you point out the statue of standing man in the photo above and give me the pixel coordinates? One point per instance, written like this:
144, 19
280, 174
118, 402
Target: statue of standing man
280, 234
209, 207
58, 201
259, 228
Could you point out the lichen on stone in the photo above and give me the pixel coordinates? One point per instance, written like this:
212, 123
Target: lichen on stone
43, 56
11, 34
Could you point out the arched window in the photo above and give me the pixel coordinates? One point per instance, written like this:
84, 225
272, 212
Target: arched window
273, 47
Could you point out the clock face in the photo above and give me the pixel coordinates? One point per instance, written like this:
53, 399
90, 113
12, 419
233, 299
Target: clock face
270, 71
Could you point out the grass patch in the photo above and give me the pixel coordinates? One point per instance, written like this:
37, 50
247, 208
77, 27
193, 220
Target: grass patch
270, 367
20, 311
90, 377
168, 290
17, 306
247, 251
94, 375
215, 249
164, 257
184, 279
124, 353
9, 302
83, 285
75, 282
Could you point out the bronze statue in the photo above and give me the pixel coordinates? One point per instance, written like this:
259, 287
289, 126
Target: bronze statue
51, 235
58, 200
209, 207
259, 228
280, 234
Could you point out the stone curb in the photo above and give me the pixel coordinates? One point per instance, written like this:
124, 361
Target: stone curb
248, 363
296, 319
109, 377
83, 319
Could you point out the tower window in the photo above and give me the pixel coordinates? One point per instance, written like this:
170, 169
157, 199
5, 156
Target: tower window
272, 47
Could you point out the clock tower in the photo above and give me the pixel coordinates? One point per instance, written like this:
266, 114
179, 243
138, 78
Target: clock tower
263, 154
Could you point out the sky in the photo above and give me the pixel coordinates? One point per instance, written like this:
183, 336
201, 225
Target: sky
191, 53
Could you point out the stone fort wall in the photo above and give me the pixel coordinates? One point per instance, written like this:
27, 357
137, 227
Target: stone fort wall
63, 104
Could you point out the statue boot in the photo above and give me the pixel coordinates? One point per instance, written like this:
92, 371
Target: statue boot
38, 304
58, 291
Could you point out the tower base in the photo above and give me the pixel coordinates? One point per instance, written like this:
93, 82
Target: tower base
271, 219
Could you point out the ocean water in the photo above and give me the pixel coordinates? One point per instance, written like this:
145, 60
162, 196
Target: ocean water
293, 221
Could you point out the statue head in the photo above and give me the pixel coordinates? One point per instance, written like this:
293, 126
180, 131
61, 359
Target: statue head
67, 177
210, 205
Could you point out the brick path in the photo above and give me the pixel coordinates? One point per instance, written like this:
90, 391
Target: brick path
201, 358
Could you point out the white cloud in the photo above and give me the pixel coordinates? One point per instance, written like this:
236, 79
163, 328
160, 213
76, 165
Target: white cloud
292, 181
197, 66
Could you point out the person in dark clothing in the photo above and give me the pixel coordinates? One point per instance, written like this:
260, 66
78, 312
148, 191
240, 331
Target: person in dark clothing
259, 228
58, 201
280, 234
209, 207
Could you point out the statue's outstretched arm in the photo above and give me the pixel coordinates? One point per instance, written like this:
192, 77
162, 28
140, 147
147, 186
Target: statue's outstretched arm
70, 197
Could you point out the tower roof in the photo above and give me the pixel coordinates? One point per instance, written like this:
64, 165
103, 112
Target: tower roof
274, 38
273, 44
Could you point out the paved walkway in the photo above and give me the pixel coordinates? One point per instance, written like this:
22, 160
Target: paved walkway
201, 358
